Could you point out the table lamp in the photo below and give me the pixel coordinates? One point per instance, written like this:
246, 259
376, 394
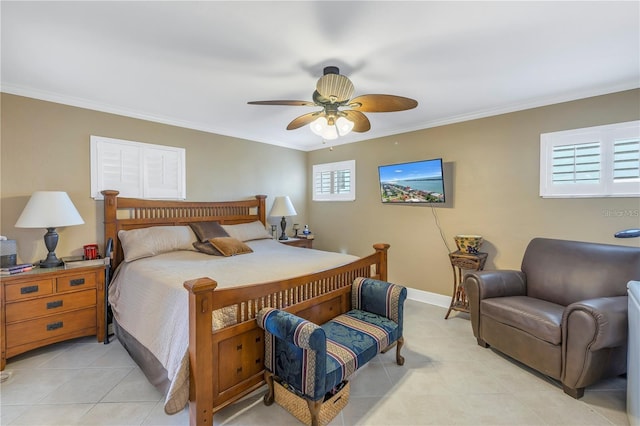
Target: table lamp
282, 206
49, 209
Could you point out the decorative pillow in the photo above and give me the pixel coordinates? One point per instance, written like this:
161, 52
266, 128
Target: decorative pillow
207, 230
206, 248
247, 231
147, 242
229, 246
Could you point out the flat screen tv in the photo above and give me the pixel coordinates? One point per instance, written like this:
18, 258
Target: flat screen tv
416, 182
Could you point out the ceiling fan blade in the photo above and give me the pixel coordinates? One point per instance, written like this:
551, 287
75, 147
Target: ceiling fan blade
290, 103
360, 121
304, 119
382, 103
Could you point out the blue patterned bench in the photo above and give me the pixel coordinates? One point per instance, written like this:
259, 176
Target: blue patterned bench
312, 359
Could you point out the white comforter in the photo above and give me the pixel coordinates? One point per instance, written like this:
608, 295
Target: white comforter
149, 301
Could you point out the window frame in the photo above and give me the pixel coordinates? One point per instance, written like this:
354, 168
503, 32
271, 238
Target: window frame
333, 168
606, 137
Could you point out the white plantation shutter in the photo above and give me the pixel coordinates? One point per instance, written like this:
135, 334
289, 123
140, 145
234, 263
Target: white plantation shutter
163, 177
601, 161
137, 170
576, 163
334, 181
626, 160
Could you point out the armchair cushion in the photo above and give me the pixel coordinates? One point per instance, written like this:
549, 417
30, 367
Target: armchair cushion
537, 317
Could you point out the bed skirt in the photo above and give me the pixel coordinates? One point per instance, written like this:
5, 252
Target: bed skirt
148, 363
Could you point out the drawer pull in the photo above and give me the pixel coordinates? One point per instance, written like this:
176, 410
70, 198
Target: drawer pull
54, 326
54, 304
30, 289
77, 281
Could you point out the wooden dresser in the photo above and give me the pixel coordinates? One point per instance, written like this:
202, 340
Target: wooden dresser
45, 306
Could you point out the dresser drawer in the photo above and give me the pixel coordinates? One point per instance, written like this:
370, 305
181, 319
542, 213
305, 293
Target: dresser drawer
28, 309
75, 282
28, 289
47, 327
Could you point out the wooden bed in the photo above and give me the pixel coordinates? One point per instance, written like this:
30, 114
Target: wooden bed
227, 364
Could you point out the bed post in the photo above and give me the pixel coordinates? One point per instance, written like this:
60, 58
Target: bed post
110, 208
381, 249
261, 208
200, 351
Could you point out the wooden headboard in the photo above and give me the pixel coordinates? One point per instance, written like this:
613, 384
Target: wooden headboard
133, 213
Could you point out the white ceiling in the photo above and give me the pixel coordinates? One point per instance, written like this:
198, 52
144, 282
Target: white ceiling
196, 64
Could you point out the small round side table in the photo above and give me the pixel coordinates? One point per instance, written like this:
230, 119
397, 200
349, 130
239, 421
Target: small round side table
460, 262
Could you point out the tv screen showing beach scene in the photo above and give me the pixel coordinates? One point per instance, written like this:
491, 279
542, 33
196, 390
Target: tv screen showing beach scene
413, 182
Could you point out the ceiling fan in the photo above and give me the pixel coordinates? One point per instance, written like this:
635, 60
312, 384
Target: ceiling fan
334, 91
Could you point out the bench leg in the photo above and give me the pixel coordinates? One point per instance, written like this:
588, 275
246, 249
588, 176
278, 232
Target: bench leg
314, 409
399, 358
269, 397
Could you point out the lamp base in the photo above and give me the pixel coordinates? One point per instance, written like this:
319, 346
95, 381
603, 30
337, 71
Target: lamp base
50, 262
283, 225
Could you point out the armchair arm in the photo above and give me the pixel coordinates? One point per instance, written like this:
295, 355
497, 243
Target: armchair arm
604, 320
481, 285
295, 351
379, 297
591, 330
488, 284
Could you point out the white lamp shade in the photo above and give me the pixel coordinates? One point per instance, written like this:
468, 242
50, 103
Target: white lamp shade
49, 209
282, 206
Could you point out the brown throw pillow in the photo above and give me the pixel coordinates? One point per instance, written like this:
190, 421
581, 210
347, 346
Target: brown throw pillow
230, 246
207, 230
206, 248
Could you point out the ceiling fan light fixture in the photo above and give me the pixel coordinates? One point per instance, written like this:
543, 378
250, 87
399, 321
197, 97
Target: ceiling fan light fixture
322, 128
341, 127
318, 125
344, 126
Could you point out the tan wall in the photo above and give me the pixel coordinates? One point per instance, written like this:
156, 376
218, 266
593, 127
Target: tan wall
45, 146
492, 167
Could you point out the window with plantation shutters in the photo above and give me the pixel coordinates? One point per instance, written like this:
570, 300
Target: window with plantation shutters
602, 161
334, 181
137, 170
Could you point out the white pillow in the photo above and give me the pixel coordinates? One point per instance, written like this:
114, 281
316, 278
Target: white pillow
247, 231
147, 242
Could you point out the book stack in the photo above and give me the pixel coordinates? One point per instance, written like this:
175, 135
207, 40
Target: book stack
306, 236
80, 262
16, 269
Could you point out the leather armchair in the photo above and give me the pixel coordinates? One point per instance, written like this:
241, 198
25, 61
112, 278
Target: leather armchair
563, 314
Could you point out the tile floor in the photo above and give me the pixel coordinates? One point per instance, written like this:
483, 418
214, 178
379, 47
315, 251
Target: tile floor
447, 379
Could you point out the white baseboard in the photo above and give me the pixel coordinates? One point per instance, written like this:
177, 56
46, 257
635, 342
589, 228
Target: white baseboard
428, 297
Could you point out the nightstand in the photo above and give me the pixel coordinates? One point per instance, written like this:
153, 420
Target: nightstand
298, 242
49, 305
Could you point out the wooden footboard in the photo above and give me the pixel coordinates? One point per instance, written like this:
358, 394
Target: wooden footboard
228, 363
